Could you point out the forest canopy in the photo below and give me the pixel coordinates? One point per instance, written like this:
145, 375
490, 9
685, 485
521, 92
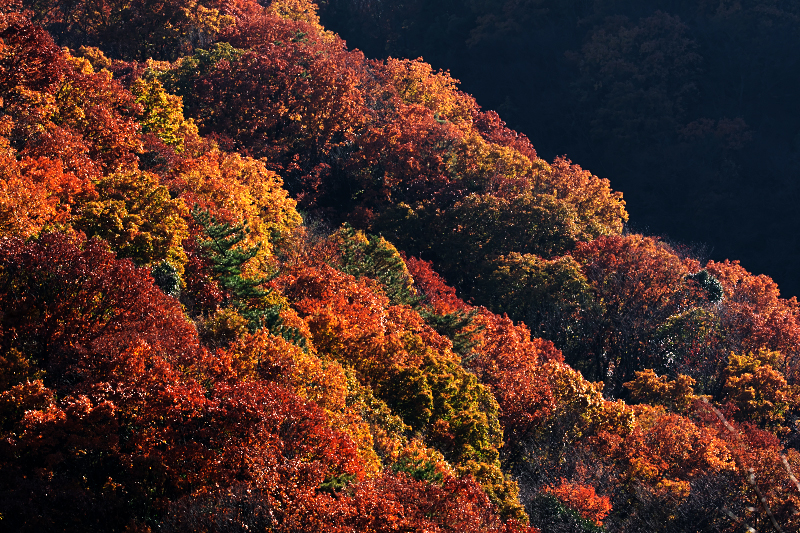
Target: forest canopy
252, 280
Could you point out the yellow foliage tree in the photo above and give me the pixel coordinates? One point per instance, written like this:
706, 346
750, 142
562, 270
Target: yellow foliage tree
162, 113
676, 395
247, 191
759, 392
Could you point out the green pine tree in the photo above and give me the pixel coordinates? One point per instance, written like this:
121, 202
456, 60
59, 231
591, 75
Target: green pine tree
246, 295
376, 258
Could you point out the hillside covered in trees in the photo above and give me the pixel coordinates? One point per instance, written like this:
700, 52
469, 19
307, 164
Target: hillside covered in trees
688, 106
253, 281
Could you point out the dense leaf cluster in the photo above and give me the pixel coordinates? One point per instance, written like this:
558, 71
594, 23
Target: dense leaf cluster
180, 350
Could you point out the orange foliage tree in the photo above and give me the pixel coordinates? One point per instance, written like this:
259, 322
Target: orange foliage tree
583, 498
638, 283
755, 317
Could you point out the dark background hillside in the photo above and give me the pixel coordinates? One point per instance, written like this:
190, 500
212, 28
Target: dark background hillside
690, 108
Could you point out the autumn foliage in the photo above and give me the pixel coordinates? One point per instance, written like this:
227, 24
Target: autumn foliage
182, 350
